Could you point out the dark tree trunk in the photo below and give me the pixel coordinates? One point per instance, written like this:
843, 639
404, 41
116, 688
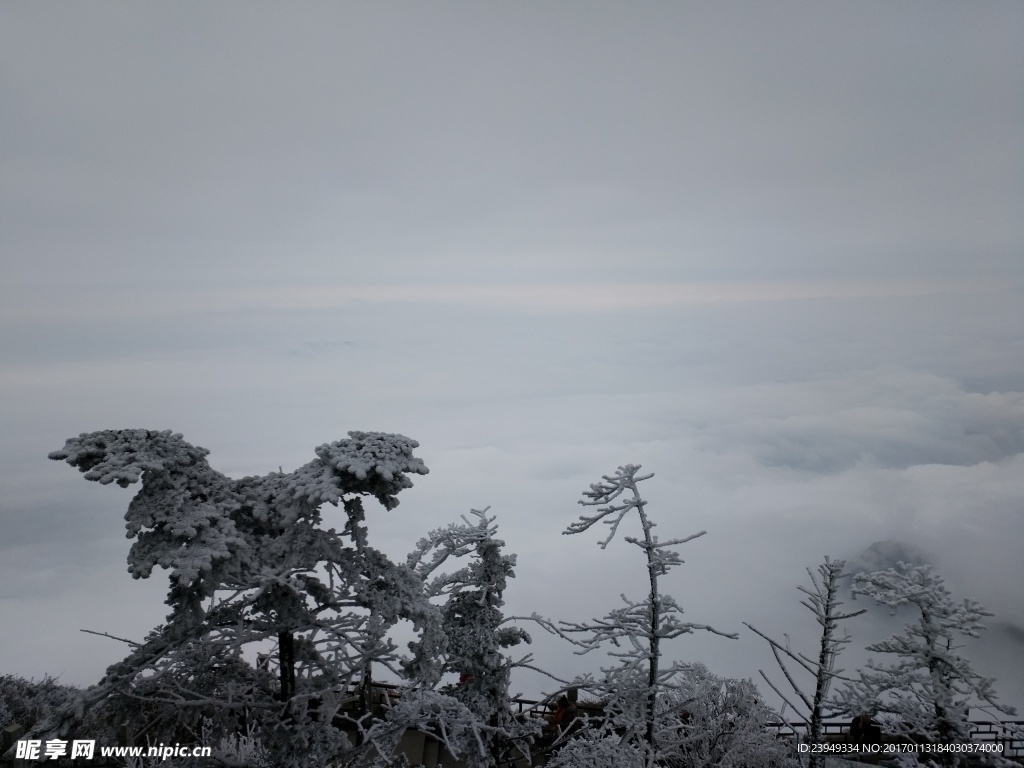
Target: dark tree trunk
286, 660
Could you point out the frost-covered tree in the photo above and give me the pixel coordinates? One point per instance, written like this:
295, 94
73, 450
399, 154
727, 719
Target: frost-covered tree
716, 721
251, 564
929, 691
476, 629
703, 720
633, 689
822, 599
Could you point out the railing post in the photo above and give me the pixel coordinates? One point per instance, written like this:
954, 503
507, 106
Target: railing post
8, 737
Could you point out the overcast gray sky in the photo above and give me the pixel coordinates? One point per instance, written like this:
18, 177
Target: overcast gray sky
773, 252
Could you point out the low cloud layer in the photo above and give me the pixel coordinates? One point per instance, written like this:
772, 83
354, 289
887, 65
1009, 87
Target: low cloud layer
888, 417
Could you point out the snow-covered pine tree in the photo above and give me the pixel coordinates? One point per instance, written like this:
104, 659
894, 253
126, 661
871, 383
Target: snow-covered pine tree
477, 631
929, 691
823, 601
250, 564
634, 691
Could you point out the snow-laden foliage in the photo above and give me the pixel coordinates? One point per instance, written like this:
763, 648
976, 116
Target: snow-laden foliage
181, 518
374, 463
455, 725
702, 720
928, 692
715, 721
476, 631
251, 567
631, 690
823, 601
598, 751
25, 702
185, 517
